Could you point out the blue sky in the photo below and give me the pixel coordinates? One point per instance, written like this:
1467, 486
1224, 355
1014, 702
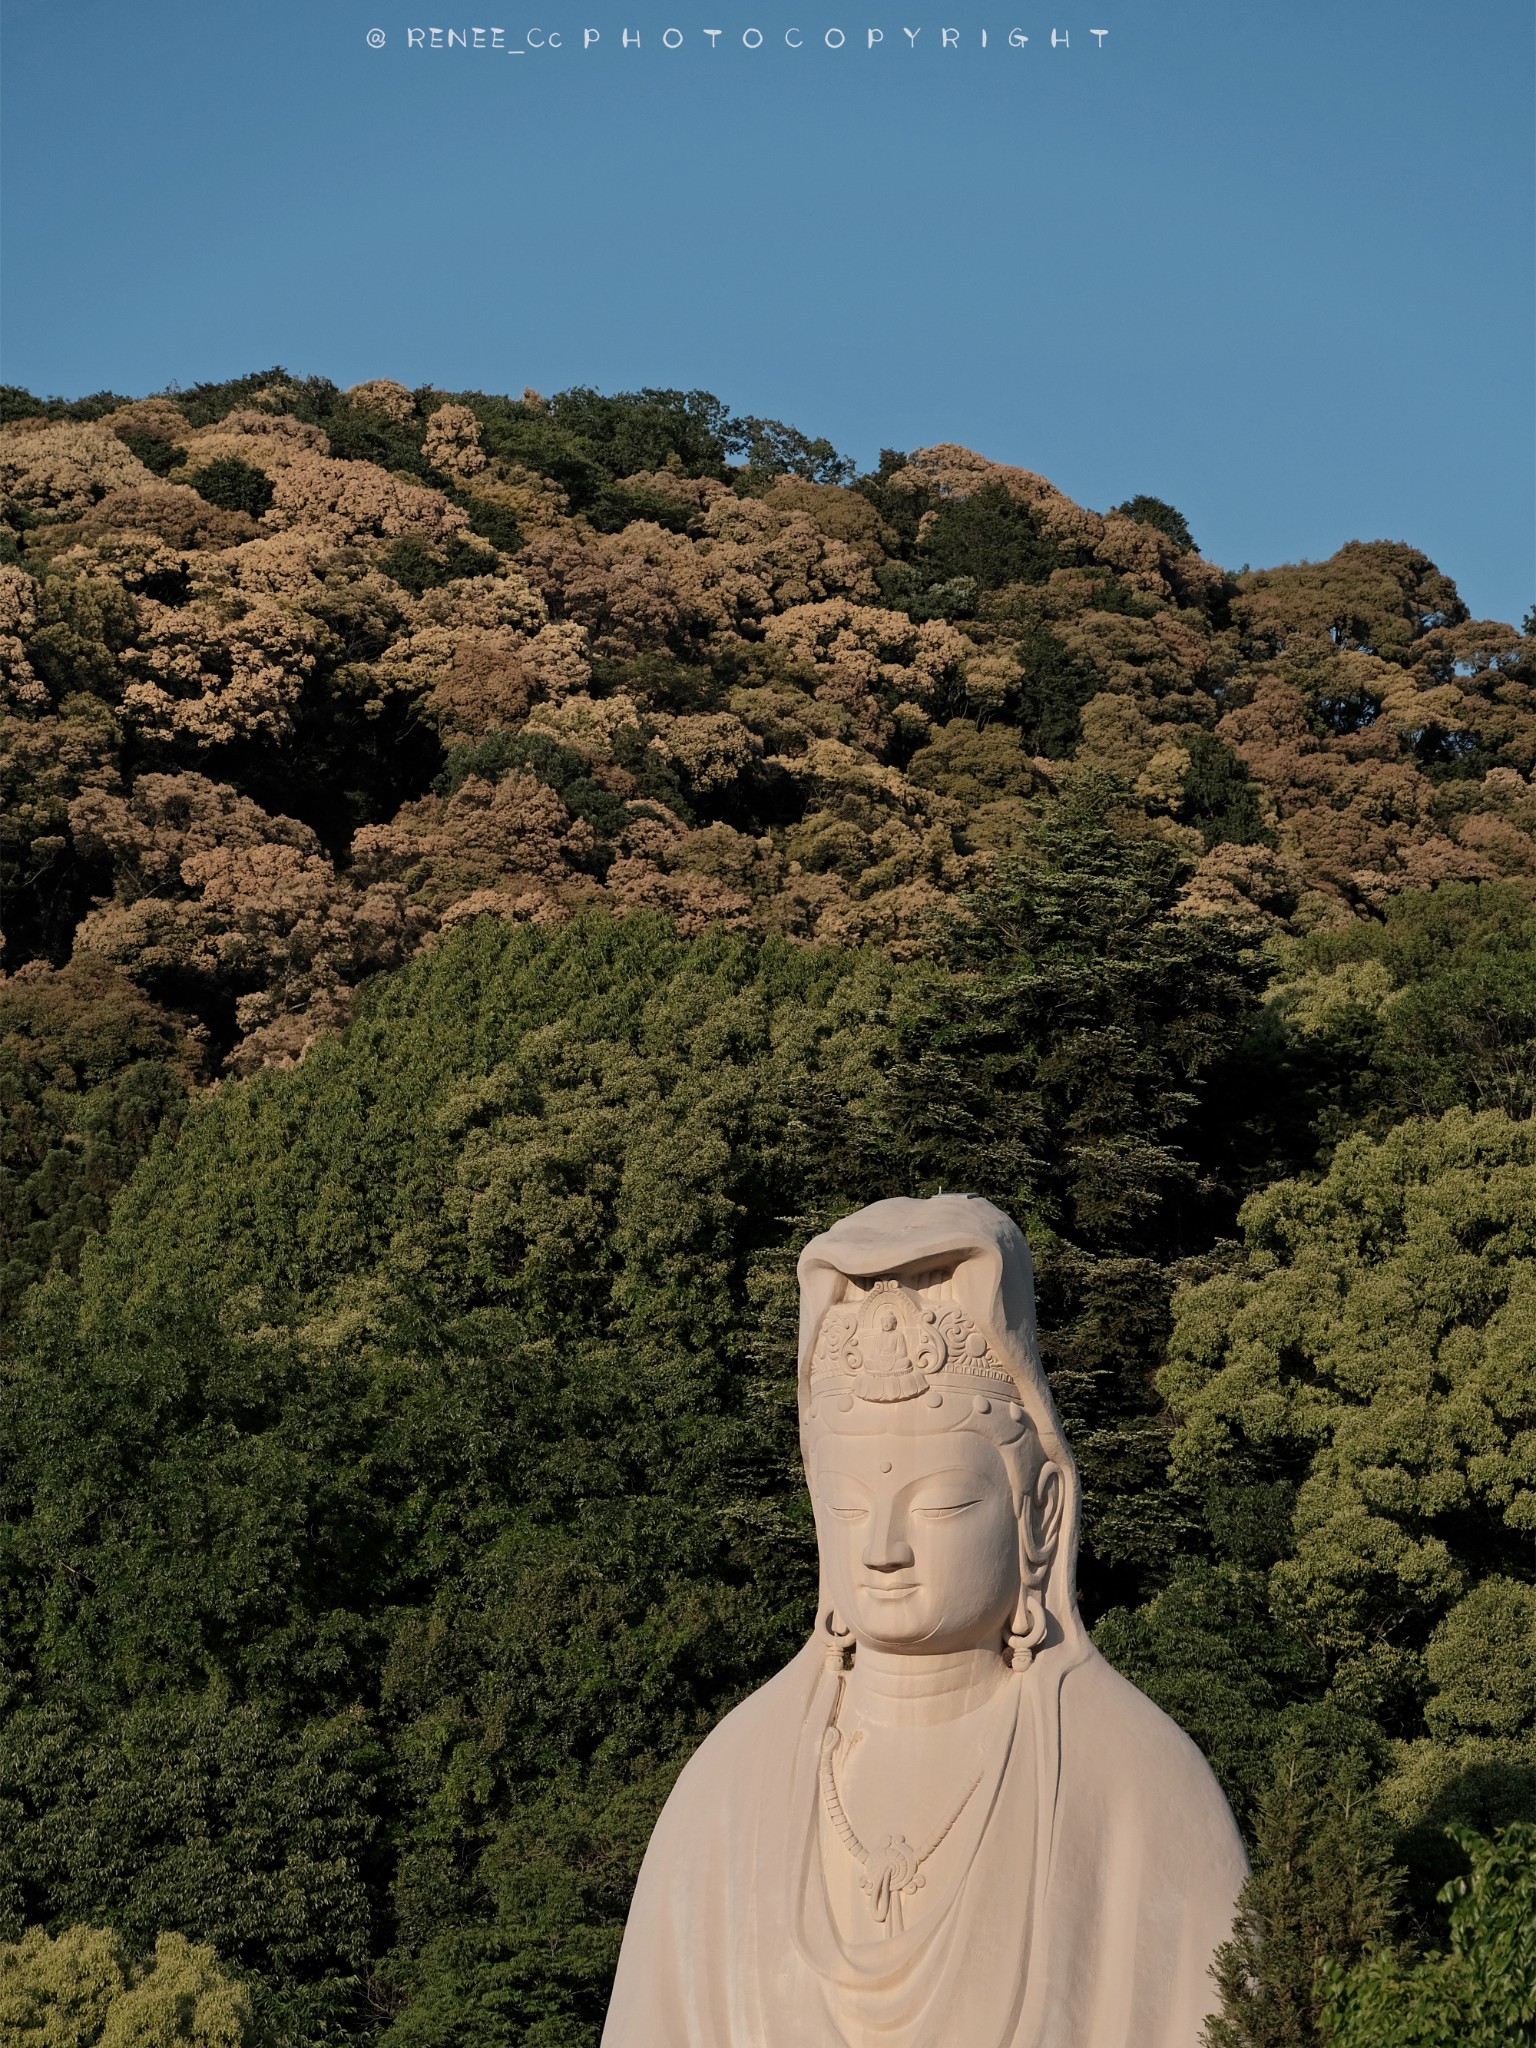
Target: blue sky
1271, 260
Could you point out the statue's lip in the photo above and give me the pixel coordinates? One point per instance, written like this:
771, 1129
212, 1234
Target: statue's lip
889, 1592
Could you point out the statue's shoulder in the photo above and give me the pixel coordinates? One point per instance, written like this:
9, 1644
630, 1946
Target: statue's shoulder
765, 1724
1141, 1759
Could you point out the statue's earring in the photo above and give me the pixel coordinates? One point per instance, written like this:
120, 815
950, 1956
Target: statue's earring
837, 1638
1028, 1630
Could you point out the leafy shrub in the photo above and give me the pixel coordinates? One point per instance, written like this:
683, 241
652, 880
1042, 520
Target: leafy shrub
1480, 1992
235, 485
82, 1991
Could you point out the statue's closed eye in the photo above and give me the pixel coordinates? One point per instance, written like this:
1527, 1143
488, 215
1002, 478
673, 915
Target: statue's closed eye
934, 1511
847, 1511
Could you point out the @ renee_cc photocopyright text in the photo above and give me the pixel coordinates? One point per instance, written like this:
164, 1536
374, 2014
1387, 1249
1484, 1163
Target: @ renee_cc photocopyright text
501, 41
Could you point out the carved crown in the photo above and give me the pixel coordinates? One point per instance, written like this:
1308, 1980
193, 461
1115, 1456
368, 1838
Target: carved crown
891, 1345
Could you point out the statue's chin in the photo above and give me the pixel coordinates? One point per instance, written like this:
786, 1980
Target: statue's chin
898, 1625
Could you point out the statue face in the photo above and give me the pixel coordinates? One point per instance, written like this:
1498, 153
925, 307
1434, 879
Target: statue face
919, 1538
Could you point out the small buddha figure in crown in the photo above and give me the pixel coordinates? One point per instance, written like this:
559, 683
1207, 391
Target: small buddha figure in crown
947, 1823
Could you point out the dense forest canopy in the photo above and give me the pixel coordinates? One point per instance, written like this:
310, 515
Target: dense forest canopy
484, 879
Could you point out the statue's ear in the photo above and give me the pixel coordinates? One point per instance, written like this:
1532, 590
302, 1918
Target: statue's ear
1037, 1551
1051, 1500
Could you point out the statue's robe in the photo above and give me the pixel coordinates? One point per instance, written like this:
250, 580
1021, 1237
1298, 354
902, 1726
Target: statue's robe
1083, 1892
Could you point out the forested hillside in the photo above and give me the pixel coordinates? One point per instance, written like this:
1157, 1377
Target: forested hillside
484, 880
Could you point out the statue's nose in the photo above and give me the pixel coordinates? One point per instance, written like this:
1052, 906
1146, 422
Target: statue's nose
887, 1550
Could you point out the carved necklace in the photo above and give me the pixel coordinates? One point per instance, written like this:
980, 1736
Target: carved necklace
893, 1870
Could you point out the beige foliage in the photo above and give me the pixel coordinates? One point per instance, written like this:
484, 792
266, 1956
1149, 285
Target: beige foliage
173, 513
45, 761
128, 558
534, 501
971, 763
1142, 557
558, 659
1251, 883
1117, 735
211, 889
356, 609
384, 396
1360, 819
486, 602
482, 688
589, 724
478, 655
769, 553
286, 565
748, 865
991, 676
355, 500
872, 855
169, 818
535, 904
1381, 595
643, 587
268, 440
1160, 657
714, 874
823, 909
649, 587
864, 658
1161, 782
453, 442
18, 615
699, 493
955, 472
162, 417
1147, 561
711, 748
421, 662
838, 513
693, 901
210, 676
787, 720
277, 397
1495, 689
510, 837
470, 681
65, 466
1507, 843
833, 767
771, 594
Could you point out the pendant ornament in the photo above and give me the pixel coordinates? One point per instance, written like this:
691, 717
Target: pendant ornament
893, 1869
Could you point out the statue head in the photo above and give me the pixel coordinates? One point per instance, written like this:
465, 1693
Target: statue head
945, 1497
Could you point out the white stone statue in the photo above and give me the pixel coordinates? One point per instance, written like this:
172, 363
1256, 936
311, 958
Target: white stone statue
947, 1823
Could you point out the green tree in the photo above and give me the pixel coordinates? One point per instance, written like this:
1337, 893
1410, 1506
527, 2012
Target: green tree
1159, 513
235, 485
410, 1479
81, 1990
1353, 1403
1430, 1005
1480, 1992
89, 1071
281, 1585
1370, 1359
1070, 1067
1322, 1887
